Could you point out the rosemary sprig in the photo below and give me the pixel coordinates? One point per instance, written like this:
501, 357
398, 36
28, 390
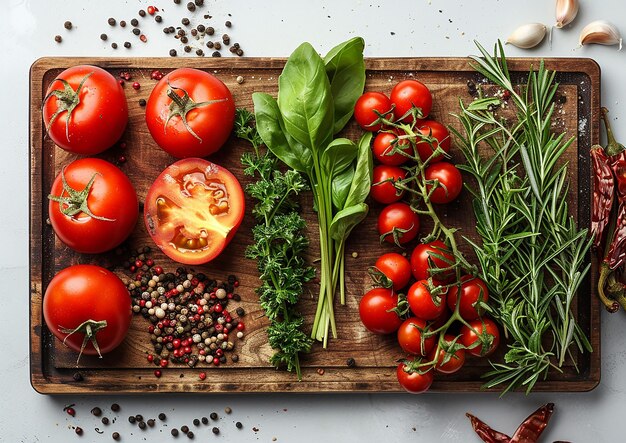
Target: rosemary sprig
278, 247
531, 254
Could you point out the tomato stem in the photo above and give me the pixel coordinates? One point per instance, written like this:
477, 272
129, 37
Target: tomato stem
89, 328
76, 201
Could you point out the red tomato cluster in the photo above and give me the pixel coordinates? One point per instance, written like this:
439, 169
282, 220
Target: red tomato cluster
438, 320
93, 205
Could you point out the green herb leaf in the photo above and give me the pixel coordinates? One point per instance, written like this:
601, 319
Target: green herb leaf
363, 172
346, 220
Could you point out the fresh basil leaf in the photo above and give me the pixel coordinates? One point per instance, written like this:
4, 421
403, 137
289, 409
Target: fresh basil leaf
346, 71
340, 187
362, 181
345, 221
269, 123
305, 99
337, 156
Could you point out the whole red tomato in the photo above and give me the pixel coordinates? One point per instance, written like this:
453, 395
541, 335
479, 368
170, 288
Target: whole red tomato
85, 110
383, 149
408, 94
485, 332
456, 356
397, 223
365, 107
193, 210
376, 311
410, 337
450, 182
473, 289
423, 303
441, 138
414, 381
422, 257
95, 209
383, 178
190, 113
396, 268
87, 306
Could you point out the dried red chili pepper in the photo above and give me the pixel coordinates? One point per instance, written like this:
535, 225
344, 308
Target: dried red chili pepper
528, 432
603, 194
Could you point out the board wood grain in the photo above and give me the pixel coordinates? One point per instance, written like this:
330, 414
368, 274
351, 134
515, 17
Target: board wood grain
126, 370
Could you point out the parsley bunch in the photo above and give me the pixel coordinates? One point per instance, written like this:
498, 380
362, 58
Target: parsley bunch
278, 248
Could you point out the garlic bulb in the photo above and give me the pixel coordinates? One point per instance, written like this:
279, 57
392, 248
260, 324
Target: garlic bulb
527, 36
602, 33
566, 11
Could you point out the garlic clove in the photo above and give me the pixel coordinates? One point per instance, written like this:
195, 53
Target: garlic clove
601, 32
566, 11
527, 36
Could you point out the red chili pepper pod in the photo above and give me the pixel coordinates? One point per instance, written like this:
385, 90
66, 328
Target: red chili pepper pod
531, 429
603, 193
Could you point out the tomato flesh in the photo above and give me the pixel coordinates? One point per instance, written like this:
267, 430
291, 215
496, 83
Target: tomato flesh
193, 210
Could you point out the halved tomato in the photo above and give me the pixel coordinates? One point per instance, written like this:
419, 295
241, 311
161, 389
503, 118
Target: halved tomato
193, 210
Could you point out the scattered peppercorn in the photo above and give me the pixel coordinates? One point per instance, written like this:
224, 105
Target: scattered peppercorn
350, 362
127, 45
115, 436
143, 38
139, 417
239, 52
190, 435
196, 422
77, 376
239, 425
228, 24
136, 31
105, 420
58, 38
174, 431
214, 416
67, 25
134, 22
194, 32
201, 28
217, 45
114, 45
210, 30
191, 6
320, 371
132, 419
142, 13
184, 429
151, 422
177, 2
142, 425
115, 407
103, 37
199, 52
185, 21
226, 39
96, 411
199, 2
142, 102
112, 21
122, 23
184, 40
173, 52
228, 410
187, 48
205, 421
70, 410
79, 430
215, 430
209, 44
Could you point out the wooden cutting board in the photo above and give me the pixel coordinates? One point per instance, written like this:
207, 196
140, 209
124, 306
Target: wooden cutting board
126, 370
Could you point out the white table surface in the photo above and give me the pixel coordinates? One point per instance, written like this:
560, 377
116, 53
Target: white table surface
392, 28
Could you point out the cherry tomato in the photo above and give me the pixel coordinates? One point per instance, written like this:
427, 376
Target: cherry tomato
456, 360
92, 218
365, 107
193, 210
450, 182
410, 337
85, 118
483, 331
413, 381
383, 146
473, 289
396, 268
376, 311
421, 259
83, 299
383, 190
409, 93
202, 101
434, 129
398, 221
422, 303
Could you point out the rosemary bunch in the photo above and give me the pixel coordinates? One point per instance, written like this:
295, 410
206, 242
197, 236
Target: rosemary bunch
278, 247
532, 255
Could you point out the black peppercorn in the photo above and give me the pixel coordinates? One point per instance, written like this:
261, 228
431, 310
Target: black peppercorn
142, 13
216, 54
162, 416
210, 30
96, 411
185, 21
226, 39
228, 24
58, 38
67, 25
181, 32
199, 2
235, 358
105, 420
187, 48
184, 429
184, 40
139, 417
350, 362
142, 425
103, 36
142, 102
215, 430
166, 30
196, 422
205, 420
122, 23
134, 22
199, 52
151, 422
239, 53
190, 435
240, 312
213, 416
201, 28
112, 21
127, 45
115, 436
239, 425
194, 32
177, 2
158, 18
131, 419
77, 376
217, 45
172, 29
79, 430
136, 31
115, 407
209, 44
191, 6
174, 431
